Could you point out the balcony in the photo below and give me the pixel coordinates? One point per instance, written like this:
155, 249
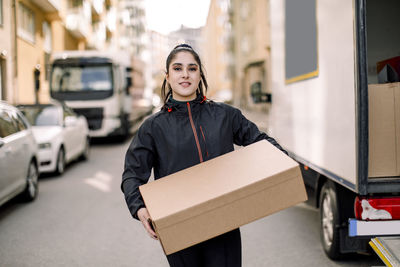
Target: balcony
78, 23
97, 7
49, 6
98, 37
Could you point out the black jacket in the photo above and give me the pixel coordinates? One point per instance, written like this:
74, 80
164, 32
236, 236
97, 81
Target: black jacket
181, 135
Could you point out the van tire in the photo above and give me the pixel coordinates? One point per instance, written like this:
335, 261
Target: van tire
329, 221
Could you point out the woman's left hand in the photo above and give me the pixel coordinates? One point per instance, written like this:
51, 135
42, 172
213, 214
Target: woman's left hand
144, 217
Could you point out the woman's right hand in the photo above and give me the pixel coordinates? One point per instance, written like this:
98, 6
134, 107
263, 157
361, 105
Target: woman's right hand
144, 217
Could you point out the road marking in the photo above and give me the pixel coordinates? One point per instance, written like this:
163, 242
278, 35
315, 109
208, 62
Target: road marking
100, 181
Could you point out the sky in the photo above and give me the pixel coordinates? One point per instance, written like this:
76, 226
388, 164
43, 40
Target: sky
165, 16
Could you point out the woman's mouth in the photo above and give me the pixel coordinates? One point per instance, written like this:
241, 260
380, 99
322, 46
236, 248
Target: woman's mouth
185, 84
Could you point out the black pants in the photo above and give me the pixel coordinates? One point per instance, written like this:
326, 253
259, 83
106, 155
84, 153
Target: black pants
221, 251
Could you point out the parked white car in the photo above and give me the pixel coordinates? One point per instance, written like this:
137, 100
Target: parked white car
61, 134
18, 156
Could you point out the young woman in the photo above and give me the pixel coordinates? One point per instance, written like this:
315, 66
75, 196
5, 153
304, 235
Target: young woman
188, 130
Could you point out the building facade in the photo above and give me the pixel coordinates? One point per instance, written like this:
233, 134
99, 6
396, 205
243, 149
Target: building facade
218, 58
251, 49
36, 28
7, 50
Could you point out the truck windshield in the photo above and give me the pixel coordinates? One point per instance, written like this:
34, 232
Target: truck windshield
66, 78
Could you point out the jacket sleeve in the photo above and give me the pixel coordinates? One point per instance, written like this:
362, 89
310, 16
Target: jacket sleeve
139, 161
246, 132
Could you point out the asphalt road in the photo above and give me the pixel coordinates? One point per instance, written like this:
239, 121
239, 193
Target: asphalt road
81, 219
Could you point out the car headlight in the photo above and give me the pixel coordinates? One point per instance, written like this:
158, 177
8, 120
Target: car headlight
44, 145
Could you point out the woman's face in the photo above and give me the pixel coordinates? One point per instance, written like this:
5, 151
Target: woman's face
183, 76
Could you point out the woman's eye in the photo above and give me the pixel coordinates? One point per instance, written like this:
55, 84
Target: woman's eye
193, 69
177, 68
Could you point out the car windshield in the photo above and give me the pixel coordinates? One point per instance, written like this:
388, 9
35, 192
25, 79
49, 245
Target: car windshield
65, 78
42, 115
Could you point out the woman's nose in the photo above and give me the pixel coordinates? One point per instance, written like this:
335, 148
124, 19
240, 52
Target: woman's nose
184, 73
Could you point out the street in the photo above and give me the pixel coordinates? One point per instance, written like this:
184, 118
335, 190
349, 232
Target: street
81, 219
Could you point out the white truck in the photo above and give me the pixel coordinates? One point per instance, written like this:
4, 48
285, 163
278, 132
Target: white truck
336, 109
96, 85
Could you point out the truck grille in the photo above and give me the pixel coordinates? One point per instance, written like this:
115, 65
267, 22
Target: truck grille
94, 116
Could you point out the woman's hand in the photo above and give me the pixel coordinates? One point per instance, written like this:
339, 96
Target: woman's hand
144, 217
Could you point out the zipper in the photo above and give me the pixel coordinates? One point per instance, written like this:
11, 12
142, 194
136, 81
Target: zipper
194, 132
204, 138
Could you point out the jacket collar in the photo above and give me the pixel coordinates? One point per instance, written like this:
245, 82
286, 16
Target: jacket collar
181, 106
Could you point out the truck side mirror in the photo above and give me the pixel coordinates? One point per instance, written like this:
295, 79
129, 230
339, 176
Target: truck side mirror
129, 81
128, 84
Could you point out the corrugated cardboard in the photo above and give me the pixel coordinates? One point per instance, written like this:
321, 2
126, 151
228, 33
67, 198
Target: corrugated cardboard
384, 130
221, 194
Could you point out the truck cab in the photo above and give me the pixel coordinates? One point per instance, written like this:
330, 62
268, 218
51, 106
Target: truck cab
96, 85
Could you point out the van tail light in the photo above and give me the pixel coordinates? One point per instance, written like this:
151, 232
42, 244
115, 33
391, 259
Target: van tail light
377, 208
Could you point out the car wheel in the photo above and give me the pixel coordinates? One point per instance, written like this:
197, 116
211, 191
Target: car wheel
60, 164
329, 221
32, 185
86, 150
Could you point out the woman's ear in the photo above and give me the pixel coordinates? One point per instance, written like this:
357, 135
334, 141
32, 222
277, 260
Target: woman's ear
167, 77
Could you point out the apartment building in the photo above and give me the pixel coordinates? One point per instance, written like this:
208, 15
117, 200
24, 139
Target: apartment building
218, 58
55, 25
251, 49
32, 29
7, 50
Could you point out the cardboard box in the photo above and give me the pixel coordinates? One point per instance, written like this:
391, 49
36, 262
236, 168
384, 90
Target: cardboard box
221, 194
384, 130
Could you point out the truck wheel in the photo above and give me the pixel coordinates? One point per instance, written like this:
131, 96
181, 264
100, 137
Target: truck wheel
329, 221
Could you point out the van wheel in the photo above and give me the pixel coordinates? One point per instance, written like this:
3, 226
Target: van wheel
60, 164
32, 185
329, 221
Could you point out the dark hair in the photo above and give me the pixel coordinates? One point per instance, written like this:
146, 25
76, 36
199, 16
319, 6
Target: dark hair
165, 86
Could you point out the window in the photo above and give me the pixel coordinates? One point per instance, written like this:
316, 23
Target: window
3, 92
7, 124
20, 122
26, 23
301, 53
244, 10
1, 12
47, 37
75, 3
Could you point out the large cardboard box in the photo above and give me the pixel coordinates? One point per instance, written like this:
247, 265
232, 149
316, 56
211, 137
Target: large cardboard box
384, 130
221, 194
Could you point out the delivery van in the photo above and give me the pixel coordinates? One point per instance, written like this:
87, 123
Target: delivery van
335, 108
95, 84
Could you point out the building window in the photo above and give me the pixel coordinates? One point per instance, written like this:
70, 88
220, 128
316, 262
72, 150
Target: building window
75, 3
1, 12
26, 23
244, 10
3, 92
47, 36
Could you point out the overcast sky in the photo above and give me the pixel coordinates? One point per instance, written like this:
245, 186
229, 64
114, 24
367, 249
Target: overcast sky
165, 16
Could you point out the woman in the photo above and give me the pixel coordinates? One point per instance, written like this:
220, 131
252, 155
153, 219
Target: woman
188, 130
